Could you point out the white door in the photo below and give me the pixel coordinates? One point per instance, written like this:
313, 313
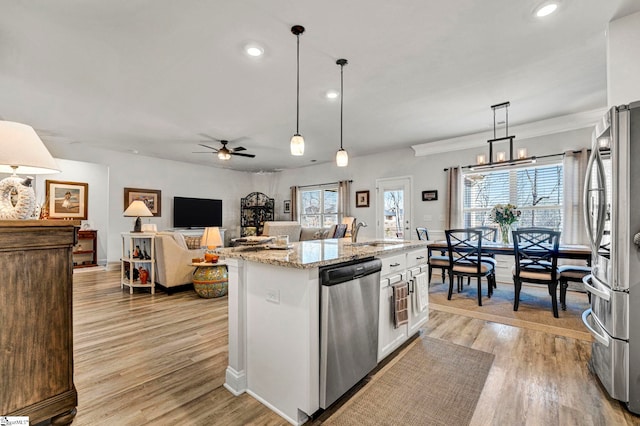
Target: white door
393, 208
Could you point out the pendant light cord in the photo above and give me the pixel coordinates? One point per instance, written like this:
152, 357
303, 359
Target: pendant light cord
341, 99
298, 86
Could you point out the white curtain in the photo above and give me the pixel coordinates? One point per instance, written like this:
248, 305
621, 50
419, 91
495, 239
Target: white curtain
344, 198
454, 198
294, 202
575, 169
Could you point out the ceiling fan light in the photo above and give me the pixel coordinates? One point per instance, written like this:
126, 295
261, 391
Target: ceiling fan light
224, 155
342, 158
546, 9
297, 145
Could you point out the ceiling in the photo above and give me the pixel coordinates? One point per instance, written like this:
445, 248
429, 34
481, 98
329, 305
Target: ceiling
155, 77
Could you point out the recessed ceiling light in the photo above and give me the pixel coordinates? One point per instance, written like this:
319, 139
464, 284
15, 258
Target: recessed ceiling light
332, 94
546, 9
254, 50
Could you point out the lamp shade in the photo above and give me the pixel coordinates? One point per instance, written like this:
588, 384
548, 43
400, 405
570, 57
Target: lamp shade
342, 158
22, 151
211, 238
137, 209
297, 145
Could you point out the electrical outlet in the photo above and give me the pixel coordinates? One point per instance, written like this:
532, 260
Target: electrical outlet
273, 296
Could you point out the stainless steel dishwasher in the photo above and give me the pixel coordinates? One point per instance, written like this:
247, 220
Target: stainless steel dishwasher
349, 300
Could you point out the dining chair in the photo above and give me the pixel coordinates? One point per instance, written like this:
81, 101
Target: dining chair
573, 273
489, 234
435, 261
465, 260
536, 261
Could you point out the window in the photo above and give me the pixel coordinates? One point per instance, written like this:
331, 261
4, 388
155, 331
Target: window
536, 191
319, 206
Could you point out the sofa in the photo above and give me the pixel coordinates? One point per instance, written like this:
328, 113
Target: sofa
297, 232
174, 253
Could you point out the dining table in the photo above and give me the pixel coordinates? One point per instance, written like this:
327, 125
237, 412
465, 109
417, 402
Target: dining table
565, 251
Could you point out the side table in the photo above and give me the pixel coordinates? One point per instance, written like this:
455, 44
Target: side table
210, 279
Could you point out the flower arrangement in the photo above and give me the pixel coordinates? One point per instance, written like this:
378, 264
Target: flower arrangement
504, 215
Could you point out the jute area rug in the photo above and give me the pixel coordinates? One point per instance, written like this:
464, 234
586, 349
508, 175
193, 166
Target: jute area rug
533, 313
433, 383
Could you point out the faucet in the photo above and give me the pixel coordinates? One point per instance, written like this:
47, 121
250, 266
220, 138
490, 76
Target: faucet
354, 231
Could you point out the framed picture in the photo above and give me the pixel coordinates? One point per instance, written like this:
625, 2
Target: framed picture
67, 200
362, 198
429, 195
287, 206
151, 197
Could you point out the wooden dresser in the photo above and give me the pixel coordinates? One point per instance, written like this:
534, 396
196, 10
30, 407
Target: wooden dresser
36, 336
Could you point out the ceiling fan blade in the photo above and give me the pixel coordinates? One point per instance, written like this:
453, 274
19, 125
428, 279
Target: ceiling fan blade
210, 147
204, 135
240, 148
243, 155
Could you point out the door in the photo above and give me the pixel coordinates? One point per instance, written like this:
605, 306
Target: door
393, 214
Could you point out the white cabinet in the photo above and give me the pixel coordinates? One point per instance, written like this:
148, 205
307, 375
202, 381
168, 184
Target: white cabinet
389, 337
396, 268
417, 317
137, 264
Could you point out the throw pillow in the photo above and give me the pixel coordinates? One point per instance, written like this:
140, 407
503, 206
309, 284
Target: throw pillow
193, 243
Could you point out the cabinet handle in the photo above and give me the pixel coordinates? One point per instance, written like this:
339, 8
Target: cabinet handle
393, 265
419, 257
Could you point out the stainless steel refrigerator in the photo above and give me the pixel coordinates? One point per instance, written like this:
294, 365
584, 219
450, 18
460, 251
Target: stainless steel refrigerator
612, 213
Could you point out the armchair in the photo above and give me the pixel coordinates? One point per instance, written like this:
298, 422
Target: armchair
173, 261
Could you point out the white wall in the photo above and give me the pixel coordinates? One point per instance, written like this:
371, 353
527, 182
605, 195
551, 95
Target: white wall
108, 173
623, 60
427, 173
97, 178
134, 171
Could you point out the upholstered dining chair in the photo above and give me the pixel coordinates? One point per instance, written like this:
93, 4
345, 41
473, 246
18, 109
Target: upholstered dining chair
465, 260
573, 273
489, 234
435, 261
536, 261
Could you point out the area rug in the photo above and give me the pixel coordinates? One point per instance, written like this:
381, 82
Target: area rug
534, 311
433, 383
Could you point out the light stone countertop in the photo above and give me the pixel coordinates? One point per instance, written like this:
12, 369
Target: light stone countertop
316, 253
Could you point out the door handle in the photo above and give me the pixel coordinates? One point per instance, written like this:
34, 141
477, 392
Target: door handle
600, 337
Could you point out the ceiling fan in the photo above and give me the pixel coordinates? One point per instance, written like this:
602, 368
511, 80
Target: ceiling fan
223, 152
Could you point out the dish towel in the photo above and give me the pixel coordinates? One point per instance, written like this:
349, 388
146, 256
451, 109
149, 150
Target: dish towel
400, 305
422, 291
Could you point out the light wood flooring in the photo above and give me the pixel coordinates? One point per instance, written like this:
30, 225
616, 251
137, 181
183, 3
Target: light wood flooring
160, 360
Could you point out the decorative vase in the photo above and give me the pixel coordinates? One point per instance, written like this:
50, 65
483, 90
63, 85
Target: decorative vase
505, 233
210, 281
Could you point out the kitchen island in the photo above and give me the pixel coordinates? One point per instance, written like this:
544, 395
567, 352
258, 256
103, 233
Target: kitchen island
274, 315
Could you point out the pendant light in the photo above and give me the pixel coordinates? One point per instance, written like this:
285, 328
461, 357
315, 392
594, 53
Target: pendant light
297, 141
342, 158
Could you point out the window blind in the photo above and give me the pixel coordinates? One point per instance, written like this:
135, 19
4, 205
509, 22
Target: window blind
535, 190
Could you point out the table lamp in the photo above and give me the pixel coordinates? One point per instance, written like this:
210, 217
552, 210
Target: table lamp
21, 151
211, 239
137, 209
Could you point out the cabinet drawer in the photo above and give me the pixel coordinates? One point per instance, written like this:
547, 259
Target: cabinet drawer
394, 264
417, 257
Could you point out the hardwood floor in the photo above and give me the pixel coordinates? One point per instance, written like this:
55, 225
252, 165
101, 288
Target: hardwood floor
160, 360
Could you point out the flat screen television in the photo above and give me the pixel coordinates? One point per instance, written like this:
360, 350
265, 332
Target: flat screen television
196, 212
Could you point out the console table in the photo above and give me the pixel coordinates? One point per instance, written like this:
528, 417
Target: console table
36, 342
